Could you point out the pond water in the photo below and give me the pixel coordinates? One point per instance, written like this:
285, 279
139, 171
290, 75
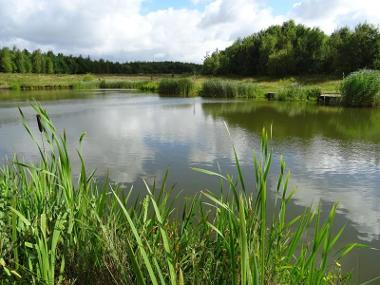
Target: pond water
333, 153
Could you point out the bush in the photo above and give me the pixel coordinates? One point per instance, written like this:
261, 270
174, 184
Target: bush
361, 89
88, 77
176, 87
229, 89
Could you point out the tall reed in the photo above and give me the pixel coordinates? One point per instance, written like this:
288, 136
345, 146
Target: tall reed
176, 87
230, 89
361, 89
57, 229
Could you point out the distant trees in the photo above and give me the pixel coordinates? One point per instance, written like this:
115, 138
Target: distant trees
292, 49
6, 63
23, 61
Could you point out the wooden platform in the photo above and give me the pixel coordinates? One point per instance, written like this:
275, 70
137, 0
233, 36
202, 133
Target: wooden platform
328, 98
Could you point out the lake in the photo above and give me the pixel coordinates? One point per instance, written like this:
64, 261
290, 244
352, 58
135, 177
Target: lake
333, 153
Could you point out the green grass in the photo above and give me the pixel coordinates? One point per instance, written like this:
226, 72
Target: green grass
16, 81
361, 89
57, 228
183, 87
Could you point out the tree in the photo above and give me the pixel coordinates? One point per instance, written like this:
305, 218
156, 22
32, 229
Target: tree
6, 64
37, 61
19, 62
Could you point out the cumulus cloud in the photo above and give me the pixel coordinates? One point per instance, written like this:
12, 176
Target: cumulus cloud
119, 30
332, 14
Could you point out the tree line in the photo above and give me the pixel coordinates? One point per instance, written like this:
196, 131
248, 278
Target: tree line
293, 49
23, 61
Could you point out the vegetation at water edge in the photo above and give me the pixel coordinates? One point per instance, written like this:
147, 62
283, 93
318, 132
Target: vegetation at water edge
59, 228
298, 93
230, 89
177, 87
361, 89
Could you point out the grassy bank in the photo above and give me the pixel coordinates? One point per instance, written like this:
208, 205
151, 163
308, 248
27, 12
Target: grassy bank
266, 84
65, 81
60, 228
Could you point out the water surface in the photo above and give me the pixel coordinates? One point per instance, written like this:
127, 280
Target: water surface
333, 153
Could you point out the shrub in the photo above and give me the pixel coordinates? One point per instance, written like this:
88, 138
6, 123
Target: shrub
361, 89
88, 77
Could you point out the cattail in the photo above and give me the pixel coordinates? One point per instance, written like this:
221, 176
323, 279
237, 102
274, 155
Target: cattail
39, 122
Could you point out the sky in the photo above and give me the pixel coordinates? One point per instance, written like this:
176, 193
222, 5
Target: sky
155, 30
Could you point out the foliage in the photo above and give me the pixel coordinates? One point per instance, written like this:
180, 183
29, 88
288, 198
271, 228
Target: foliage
230, 89
292, 49
361, 89
37, 61
64, 230
176, 87
298, 93
6, 60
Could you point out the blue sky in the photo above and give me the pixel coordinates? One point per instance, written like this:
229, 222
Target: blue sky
279, 7
181, 30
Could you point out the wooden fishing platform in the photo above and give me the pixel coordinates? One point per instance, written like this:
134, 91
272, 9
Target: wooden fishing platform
329, 98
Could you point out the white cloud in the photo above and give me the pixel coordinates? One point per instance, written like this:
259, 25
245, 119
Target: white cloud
118, 30
332, 14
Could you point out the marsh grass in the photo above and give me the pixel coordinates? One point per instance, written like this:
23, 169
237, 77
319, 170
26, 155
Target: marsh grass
297, 92
57, 229
217, 88
361, 89
182, 87
129, 84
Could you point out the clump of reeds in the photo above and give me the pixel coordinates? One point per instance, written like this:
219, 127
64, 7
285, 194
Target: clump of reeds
182, 87
298, 93
57, 229
150, 86
361, 89
217, 88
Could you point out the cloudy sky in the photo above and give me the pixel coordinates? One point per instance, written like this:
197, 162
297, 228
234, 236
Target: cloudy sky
183, 30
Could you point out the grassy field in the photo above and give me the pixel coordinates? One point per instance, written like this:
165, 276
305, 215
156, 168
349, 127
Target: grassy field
16, 81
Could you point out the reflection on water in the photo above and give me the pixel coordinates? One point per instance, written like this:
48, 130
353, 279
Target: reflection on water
334, 154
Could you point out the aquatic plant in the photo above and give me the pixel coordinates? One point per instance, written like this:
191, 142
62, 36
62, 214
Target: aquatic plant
183, 87
361, 89
230, 89
57, 228
298, 93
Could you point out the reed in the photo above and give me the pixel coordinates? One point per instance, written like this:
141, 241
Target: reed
298, 93
216, 88
57, 229
361, 89
183, 87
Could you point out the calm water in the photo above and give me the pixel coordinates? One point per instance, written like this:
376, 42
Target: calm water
334, 154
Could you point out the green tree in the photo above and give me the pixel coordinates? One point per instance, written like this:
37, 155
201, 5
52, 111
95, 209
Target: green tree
19, 62
6, 64
27, 61
37, 61
49, 65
